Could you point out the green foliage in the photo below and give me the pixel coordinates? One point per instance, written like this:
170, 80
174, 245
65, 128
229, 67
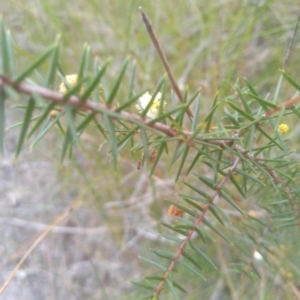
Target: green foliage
235, 155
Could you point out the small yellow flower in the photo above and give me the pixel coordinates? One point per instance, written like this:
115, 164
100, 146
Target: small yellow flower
154, 109
71, 79
283, 128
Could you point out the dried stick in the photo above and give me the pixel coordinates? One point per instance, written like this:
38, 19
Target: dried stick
196, 223
285, 104
56, 229
163, 59
34, 245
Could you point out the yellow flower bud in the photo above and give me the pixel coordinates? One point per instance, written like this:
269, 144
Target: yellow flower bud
283, 128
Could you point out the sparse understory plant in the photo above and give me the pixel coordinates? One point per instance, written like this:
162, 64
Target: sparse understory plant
239, 177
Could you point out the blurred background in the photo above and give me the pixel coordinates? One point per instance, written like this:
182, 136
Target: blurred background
93, 254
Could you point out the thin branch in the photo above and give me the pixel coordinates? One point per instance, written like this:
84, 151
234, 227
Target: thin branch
285, 104
290, 46
276, 179
196, 223
34, 245
163, 59
287, 190
96, 107
294, 100
267, 114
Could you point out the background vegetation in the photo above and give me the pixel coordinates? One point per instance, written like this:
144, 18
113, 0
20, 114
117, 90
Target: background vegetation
94, 253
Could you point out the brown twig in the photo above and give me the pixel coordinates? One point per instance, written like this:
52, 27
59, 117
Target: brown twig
196, 223
285, 104
96, 107
163, 59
